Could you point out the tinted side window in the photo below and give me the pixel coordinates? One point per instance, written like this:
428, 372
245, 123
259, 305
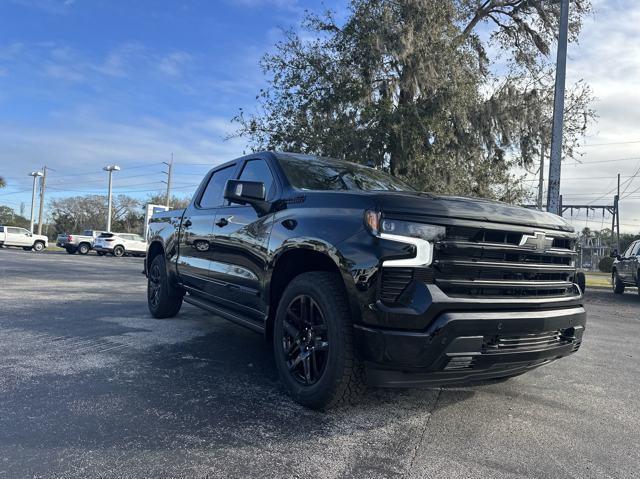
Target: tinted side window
258, 170
636, 249
212, 196
1, 229
628, 252
15, 231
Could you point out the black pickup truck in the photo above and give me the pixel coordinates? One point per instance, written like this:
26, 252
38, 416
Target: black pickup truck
358, 279
626, 268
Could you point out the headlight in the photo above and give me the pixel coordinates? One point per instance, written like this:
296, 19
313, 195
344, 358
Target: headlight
413, 230
420, 235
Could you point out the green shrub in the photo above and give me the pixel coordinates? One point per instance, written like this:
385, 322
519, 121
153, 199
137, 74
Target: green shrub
605, 264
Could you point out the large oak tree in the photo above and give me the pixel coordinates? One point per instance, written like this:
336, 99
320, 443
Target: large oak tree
448, 94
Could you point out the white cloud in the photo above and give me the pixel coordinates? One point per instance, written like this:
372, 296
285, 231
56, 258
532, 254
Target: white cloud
174, 63
121, 59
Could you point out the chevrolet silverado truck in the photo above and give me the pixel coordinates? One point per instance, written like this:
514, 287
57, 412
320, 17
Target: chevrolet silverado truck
23, 238
80, 244
358, 279
626, 268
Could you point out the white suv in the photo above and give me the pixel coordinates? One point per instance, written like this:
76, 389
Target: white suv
14, 236
119, 244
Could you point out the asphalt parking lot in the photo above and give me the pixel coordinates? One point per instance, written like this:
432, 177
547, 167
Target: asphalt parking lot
92, 386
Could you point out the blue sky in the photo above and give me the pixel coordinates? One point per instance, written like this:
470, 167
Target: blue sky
84, 83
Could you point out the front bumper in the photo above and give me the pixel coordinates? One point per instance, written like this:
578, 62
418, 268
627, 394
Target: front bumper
462, 344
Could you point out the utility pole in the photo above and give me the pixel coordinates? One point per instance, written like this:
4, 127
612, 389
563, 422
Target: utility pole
110, 169
43, 185
617, 199
36, 175
553, 204
168, 182
541, 180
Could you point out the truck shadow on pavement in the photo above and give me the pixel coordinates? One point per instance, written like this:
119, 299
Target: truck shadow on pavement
220, 390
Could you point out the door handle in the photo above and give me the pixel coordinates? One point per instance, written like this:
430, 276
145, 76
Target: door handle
187, 223
222, 222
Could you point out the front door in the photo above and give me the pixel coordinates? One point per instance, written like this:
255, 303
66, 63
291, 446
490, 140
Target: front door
241, 237
624, 269
18, 237
631, 263
196, 232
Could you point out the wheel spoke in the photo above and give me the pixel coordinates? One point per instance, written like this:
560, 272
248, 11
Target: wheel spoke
314, 364
306, 363
293, 364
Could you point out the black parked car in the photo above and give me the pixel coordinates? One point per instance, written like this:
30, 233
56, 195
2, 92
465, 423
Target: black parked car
626, 268
359, 279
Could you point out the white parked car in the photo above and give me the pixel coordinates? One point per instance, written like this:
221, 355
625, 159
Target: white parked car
20, 237
119, 244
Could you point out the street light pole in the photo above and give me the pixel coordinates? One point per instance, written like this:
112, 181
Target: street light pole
36, 175
110, 169
553, 198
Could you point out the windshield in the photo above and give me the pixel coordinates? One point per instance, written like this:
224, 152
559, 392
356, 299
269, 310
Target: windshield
328, 174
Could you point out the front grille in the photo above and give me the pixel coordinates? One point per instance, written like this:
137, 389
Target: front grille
481, 262
489, 262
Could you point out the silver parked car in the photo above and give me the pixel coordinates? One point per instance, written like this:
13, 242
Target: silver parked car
119, 244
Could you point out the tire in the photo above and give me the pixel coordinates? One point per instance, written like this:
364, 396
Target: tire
617, 284
100, 253
118, 251
70, 250
163, 299
83, 248
330, 375
38, 246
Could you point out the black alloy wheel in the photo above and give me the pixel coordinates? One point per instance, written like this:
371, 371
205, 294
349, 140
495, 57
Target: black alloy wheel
305, 343
153, 291
164, 300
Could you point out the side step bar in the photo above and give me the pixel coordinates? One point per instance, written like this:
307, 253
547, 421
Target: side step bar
206, 305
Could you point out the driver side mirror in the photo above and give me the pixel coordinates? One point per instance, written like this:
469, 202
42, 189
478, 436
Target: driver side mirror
247, 193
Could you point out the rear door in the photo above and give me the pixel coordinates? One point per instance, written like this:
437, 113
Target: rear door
138, 244
633, 263
240, 247
196, 231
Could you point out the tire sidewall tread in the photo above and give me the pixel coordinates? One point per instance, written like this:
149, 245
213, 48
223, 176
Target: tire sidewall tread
343, 379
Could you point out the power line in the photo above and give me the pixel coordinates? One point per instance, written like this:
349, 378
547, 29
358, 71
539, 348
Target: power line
612, 143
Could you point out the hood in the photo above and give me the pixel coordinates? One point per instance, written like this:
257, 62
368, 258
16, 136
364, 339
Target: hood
478, 209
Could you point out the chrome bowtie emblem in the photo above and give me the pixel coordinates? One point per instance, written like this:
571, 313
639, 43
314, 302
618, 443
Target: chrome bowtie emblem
538, 241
